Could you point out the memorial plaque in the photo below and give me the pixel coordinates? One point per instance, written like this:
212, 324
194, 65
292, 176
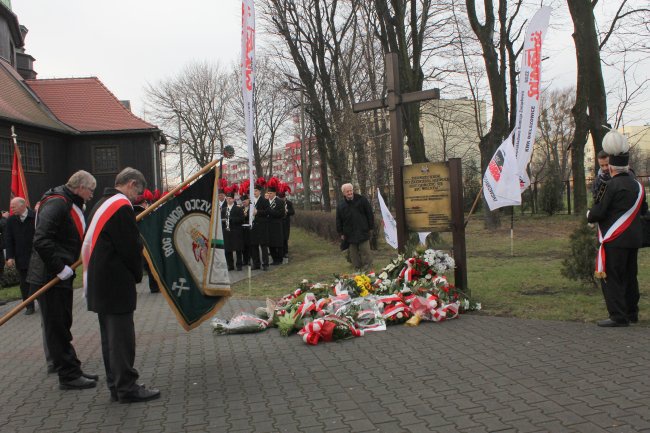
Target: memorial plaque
427, 197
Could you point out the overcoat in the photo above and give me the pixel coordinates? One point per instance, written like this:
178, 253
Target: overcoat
354, 219
259, 232
275, 217
115, 266
57, 241
231, 223
620, 195
19, 238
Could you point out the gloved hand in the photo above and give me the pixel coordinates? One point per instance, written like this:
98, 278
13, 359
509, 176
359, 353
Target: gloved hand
66, 273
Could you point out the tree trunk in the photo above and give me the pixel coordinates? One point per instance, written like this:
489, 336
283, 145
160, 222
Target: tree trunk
590, 110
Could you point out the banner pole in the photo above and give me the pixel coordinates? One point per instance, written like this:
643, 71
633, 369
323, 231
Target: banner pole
4, 319
171, 193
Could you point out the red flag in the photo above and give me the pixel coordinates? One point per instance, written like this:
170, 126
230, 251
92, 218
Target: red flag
18, 183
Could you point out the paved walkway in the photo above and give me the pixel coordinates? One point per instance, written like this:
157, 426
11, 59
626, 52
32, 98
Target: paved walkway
474, 374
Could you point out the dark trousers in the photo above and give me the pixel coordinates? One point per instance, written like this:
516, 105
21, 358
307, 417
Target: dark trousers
621, 287
56, 308
118, 350
277, 253
153, 284
255, 255
25, 290
229, 259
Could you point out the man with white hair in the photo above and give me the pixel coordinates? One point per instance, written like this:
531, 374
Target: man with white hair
354, 224
58, 235
618, 214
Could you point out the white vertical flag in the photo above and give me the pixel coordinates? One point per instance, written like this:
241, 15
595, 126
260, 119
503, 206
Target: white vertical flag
506, 177
248, 84
390, 225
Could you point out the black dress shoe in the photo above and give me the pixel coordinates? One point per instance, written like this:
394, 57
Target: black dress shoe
29, 310
140, 394
90, 376
255, 268
231, 268
634, 319
78, 383
609, 323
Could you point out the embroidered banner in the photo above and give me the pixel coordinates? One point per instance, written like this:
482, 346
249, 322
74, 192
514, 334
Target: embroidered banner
184, 247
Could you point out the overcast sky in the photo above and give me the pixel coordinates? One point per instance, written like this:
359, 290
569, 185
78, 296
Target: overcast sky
128, 44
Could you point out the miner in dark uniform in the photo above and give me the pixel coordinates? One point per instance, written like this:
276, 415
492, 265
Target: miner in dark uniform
620, 233
289, 212
232, 218
259, 237
275, 223
246, 232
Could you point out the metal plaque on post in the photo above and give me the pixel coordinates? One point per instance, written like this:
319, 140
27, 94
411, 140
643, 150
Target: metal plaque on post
427, 197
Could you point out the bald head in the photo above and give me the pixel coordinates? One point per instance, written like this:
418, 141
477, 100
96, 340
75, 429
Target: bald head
17, 206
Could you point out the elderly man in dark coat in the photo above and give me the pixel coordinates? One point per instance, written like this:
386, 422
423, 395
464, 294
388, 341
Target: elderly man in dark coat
112, 256
57, 243
354, 223
19, 237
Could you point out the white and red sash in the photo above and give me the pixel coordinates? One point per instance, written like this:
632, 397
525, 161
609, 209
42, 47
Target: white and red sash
76, 214
101, 217
619, 226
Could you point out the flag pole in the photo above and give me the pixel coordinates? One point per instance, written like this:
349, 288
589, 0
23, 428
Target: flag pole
471, 211
53, 282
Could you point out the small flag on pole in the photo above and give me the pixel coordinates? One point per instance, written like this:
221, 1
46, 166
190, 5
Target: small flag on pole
18, 182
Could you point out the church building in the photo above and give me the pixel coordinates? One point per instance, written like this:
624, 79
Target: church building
66, 124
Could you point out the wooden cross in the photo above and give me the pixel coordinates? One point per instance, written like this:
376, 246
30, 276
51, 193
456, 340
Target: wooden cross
394, 101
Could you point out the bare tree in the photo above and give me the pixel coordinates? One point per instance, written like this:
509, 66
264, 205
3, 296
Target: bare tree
198, 96
273, 109
500, 65
590, 110
555, 130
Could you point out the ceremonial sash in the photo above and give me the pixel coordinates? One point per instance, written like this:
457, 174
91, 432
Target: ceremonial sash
76, 214
101, 217
619, 226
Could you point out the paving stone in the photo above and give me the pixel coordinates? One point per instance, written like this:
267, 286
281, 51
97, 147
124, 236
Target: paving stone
497, 374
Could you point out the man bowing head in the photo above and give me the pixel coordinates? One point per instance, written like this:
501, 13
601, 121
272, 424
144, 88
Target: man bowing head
112, 257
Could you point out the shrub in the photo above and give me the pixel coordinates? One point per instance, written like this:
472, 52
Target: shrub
323, 224
581, 260
550, 198
9, 277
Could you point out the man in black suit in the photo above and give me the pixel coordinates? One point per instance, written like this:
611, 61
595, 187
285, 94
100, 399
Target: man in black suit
112, 256
618, 215
19, 236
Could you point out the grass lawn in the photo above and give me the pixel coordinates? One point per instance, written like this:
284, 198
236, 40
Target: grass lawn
521, 280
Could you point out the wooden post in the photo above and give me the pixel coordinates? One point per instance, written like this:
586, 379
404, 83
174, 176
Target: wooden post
393, 102
458, 224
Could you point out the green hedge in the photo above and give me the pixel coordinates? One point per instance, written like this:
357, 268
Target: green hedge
323, 224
